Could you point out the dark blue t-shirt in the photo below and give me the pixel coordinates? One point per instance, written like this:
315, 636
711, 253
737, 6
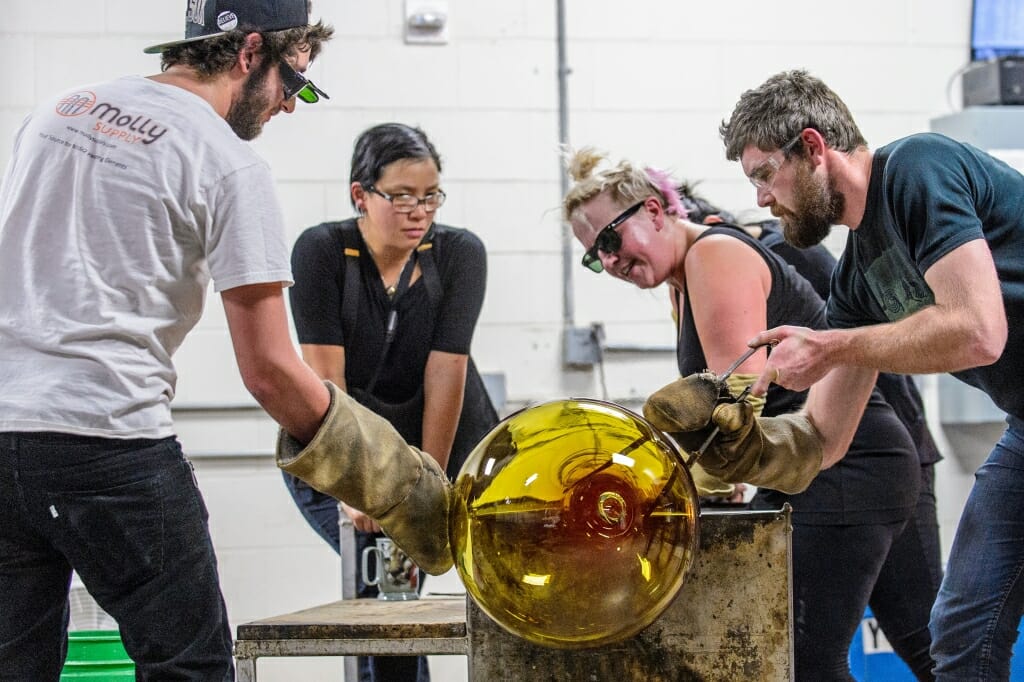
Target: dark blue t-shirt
927, 196
815, 264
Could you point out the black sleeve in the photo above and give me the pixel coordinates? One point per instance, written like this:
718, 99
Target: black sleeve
316, 295
932, 183
464, 282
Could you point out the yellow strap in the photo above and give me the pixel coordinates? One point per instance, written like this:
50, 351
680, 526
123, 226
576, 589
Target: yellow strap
422, 247
738, 382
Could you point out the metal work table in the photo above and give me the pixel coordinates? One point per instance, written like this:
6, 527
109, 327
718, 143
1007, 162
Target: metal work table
731, 620
356, 627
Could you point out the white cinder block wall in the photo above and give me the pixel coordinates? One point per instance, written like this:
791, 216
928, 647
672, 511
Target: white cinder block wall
651, 80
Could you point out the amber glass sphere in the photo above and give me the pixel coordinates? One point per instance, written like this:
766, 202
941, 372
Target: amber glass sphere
574, 523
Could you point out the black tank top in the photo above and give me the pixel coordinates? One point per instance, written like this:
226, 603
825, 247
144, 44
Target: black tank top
878, 479
791, 300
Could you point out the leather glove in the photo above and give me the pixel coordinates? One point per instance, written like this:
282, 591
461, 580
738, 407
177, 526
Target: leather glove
357, 457
685, 406
782, 453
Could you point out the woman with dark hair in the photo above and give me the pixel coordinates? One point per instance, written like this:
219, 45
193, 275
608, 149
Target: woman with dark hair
385, 305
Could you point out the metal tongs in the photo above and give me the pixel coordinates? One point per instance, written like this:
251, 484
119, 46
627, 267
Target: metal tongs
740, 398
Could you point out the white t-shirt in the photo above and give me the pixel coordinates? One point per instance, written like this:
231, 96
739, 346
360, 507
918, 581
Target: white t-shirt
120, 203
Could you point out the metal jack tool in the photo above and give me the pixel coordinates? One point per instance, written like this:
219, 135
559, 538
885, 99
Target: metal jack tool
740, 398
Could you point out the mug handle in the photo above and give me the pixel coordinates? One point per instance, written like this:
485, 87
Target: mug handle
366, 565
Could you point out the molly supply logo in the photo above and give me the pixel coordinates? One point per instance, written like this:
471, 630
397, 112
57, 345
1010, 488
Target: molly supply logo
111, 120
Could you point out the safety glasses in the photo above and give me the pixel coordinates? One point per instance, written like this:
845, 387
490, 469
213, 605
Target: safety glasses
407, 203
763, 177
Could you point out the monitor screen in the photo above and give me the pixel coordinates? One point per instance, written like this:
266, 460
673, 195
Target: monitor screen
997, 29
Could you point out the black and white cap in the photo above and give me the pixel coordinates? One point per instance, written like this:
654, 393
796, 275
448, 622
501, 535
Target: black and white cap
207, 18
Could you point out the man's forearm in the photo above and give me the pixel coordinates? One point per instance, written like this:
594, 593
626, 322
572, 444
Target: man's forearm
295, 398
932, 340
835, 406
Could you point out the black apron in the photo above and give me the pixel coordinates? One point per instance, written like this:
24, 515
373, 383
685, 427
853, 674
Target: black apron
478, 415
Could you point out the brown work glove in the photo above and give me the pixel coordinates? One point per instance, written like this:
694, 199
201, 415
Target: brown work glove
686, 405
708, 485
782, 453
359, 458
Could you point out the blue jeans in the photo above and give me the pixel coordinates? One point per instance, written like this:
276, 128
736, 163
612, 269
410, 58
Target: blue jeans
975, 618
128, 517
321, 513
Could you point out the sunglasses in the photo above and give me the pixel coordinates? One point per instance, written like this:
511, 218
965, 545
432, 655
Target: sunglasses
297, 85
608, 240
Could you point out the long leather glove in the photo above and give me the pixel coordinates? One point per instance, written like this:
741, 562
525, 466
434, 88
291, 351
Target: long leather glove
686, 404
359, 458
782, 453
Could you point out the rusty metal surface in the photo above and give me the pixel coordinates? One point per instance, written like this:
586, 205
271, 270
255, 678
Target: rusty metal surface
731, 620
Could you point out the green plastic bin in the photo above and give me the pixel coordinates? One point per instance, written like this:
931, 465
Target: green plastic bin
97, 656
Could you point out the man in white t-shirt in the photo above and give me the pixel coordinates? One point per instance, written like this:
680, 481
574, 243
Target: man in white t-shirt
121, 202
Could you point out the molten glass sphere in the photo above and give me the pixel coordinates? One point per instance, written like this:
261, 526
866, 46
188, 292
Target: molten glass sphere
574, 523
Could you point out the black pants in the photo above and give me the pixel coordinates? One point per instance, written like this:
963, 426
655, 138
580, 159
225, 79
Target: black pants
909, 582
128, 517
839, 570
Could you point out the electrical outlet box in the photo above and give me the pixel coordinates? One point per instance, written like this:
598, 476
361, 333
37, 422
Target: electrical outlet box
582, 346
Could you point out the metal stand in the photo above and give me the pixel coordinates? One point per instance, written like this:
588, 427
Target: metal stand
731, 620
349, 561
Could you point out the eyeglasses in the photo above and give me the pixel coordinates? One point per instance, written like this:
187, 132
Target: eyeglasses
608, 240
295, 84
407, 203
763, 177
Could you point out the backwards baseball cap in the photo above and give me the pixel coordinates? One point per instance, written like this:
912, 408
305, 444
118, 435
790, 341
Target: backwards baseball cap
208, 18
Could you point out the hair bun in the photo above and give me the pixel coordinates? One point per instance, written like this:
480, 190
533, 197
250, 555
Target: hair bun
581, 164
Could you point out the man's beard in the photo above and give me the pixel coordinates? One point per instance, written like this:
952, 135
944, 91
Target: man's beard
818, 207
245, 116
